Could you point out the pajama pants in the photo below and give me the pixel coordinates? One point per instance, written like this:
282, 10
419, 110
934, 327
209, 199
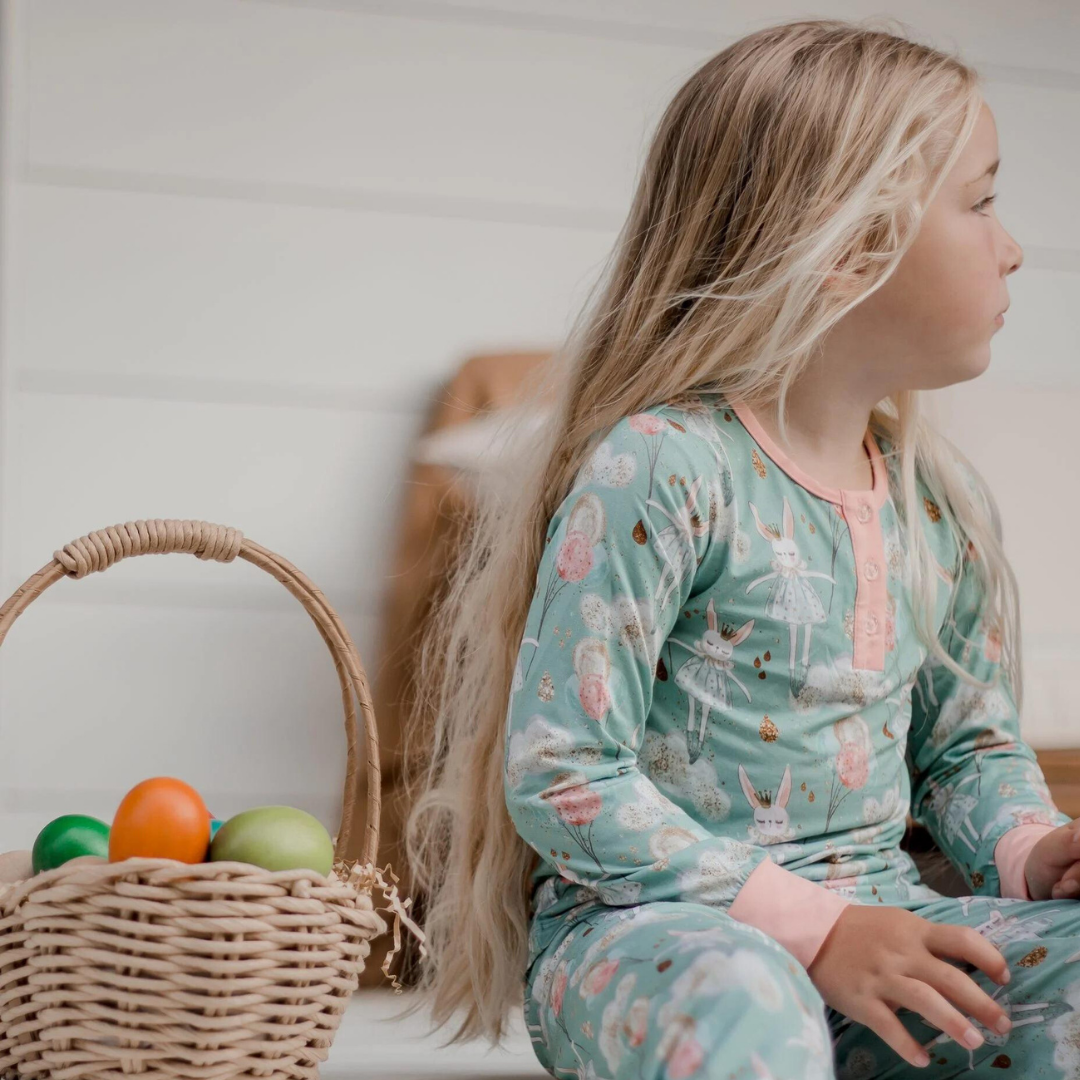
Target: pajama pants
682, 991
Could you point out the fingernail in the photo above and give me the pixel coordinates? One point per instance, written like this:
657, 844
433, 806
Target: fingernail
922, 1059
1006, 976
1069, 888
972, 1039
1003, 1024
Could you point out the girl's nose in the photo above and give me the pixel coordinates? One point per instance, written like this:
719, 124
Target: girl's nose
1014, 255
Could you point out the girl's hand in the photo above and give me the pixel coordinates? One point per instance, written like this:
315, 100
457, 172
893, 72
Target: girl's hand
1068, 886
878, 959
1052, 862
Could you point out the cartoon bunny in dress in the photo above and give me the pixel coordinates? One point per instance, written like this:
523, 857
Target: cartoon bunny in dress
675, 542
771, 824
954, 808
791, 597
705, 675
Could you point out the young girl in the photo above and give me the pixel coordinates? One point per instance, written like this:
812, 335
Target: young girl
745, 611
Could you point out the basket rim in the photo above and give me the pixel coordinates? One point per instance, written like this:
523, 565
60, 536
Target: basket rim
97, 551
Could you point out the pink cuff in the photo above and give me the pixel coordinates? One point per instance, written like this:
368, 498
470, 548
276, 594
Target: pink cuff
1010, 857
796, 912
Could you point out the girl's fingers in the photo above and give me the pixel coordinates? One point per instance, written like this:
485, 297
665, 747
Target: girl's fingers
966, 943
883, 1021
966, 994
922, 998
1068, 885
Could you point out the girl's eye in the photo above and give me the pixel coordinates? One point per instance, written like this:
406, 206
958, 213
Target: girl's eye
983, 203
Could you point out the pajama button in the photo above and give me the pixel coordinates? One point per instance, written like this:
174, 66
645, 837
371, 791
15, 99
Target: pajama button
871, 624
864, 513
870, 569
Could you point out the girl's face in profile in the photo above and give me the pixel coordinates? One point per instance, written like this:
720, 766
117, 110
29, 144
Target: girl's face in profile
934, 318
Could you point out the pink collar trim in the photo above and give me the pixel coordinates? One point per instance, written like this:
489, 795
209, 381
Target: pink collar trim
842, 496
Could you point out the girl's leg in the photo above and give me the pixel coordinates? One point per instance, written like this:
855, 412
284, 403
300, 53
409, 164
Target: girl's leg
667, 991
1041, 942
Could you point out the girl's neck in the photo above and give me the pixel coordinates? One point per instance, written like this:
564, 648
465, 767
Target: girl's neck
826, 428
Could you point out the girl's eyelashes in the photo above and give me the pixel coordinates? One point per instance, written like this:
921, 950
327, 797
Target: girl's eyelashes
983, 203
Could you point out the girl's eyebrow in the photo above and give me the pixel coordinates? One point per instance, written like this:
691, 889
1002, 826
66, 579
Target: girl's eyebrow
990, 170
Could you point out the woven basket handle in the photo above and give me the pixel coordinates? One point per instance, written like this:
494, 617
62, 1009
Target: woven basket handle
100, 550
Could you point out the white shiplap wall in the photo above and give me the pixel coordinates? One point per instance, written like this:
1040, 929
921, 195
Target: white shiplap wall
242, 242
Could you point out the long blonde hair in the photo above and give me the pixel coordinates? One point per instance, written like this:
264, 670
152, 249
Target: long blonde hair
799, 148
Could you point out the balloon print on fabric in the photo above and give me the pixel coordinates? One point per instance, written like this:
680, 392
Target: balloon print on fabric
580, 553
648, 426
591, 690
852, 762
629, 620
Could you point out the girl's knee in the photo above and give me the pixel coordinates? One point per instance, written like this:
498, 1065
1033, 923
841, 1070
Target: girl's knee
679, 990
761, 1010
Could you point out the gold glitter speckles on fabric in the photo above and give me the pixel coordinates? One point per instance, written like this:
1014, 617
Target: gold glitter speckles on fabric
933, 511
759, 465
546, 690
639, 534
1033, 958
768, 731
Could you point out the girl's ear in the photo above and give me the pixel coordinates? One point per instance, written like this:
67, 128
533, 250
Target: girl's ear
841, 279
836, 275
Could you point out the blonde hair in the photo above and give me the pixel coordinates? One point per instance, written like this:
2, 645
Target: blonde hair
798, 149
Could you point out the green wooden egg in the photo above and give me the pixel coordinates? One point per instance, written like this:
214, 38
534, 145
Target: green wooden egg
275, 838
67, 837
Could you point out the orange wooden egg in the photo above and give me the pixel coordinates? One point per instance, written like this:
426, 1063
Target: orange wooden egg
160, 818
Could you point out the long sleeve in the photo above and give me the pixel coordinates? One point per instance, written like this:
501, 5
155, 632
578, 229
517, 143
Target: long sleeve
626, 552
976, 784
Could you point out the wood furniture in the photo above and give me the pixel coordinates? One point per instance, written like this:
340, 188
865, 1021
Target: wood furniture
1061, 767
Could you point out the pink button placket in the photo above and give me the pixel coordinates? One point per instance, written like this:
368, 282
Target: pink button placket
871, 595
861, 510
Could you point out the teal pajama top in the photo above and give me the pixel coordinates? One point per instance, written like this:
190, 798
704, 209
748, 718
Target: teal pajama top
720, 696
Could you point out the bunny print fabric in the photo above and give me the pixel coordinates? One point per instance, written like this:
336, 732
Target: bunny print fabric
720, 717
672, 990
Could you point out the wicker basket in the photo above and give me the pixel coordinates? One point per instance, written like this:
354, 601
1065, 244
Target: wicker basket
210, 971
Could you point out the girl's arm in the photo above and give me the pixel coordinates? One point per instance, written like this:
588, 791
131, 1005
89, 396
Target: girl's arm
968, 740
573, 786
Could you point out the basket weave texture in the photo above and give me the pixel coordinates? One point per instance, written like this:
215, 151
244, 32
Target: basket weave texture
208, 971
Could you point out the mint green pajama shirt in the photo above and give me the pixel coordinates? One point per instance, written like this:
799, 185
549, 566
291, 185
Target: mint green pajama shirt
720, 717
